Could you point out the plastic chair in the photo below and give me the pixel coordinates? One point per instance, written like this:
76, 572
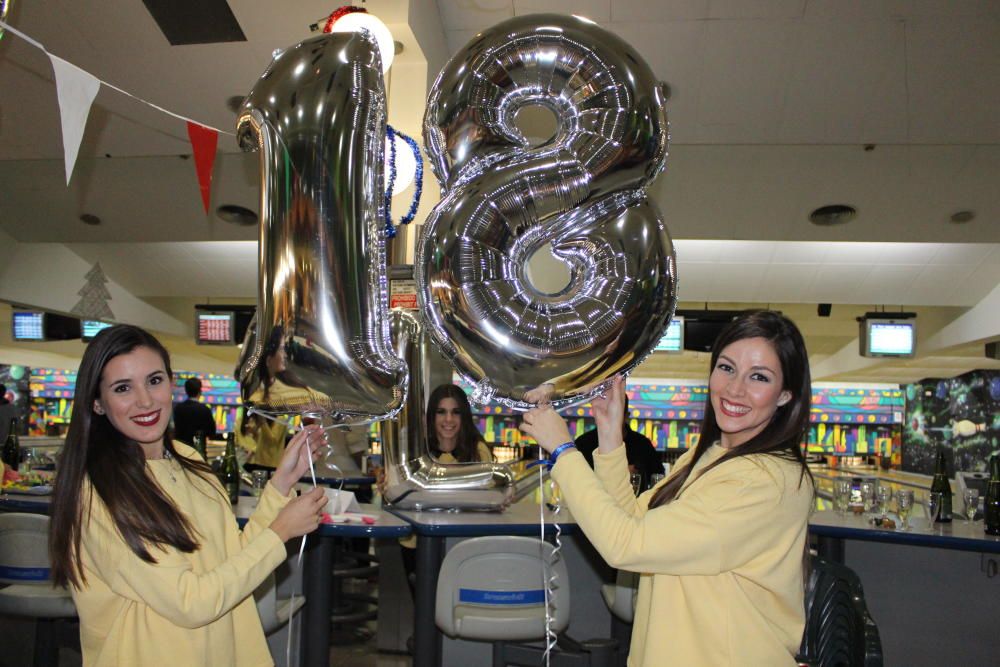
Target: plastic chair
491, 589
24, 565
839, 630
274, 611
620, 599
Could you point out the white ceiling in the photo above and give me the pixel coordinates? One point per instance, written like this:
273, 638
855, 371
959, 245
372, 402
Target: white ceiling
772, 103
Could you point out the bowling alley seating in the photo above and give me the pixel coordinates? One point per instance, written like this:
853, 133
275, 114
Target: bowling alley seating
839, 630
490, 589
29, 593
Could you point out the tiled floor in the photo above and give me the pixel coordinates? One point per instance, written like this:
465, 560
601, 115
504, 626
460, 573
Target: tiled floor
364, 655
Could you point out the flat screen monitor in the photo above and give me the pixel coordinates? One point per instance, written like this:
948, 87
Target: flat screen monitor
888, 338
90, 328
673, 340
214, 327
702, 327
29, 325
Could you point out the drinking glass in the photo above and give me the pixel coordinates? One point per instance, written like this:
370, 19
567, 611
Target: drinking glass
933, 505
655, 479
904, 503
636, 481
842, 495
30, 460
868, 495
258, 482
884, 495
971, 498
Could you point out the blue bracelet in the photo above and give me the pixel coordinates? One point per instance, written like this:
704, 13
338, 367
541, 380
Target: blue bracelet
551, 461
559, 450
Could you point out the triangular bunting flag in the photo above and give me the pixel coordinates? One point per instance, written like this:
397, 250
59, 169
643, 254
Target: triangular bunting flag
204, 142
76, 90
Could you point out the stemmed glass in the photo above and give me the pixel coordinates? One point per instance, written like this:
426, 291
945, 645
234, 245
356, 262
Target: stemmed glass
636, 480
971, 498
933, 506
841, 495
884, 495
868, 495
904, 503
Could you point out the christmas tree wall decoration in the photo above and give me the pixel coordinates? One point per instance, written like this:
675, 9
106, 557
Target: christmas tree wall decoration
93, 303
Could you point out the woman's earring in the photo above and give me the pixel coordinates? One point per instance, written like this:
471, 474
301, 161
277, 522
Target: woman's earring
98, 409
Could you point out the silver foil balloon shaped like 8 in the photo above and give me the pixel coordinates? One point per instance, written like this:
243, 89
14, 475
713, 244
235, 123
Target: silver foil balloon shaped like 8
582, 191
415, 480
321, 344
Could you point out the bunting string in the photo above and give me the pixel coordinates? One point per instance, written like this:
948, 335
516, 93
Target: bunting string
40, 46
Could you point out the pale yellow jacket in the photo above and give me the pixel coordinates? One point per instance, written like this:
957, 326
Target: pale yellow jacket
721, 565
187, 609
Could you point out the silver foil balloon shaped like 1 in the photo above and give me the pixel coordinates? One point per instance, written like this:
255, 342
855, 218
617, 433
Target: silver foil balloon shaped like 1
321, 344
414, 480
582, 191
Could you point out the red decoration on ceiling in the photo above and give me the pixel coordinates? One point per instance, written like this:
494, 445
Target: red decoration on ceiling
339, 12
204, 141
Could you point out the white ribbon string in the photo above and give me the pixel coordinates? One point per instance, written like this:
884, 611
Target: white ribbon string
39, 45
548, 577
302, 544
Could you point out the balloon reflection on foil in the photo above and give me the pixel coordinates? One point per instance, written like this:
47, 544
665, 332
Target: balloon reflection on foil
321, 343
582, 191
415, 480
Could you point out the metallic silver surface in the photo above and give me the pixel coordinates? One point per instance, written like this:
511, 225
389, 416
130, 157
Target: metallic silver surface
414, 479
583, 191
321, 343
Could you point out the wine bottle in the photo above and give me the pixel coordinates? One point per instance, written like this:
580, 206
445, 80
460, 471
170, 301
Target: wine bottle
941, 485
12, 447
991, 505
230, 472
198, 442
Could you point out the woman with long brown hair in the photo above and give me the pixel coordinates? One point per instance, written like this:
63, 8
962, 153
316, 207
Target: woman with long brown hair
720, 542
452, 436
142, 530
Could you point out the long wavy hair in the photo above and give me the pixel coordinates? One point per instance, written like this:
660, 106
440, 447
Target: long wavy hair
782, 437
469, 437
115, 466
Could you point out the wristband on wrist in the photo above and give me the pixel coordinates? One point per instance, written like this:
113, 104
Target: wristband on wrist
556, 453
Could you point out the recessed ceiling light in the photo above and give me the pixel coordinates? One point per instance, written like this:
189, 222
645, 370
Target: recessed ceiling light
237, 215
961, 217
834, 214
89, 219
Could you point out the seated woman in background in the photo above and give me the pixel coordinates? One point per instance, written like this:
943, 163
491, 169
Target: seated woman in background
452, 436
143, 531
721, 542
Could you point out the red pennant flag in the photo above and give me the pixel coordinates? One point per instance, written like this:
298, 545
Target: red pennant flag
204, 141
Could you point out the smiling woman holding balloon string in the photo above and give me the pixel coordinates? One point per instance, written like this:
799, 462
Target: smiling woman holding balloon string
144, 533
720, 543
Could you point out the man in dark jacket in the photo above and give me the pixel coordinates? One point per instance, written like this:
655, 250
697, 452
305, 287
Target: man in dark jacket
192, 416
640, 452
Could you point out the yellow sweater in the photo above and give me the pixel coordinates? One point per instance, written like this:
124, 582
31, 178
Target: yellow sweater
266, 441
721, 565
187, 609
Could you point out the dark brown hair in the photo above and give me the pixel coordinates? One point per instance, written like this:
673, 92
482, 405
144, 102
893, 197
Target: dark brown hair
783, 435
116, 469
469, 437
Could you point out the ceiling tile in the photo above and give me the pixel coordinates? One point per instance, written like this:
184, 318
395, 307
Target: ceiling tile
756, 9
660, 10
474, 14
598, 11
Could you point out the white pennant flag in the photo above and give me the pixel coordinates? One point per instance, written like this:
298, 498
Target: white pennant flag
77, 90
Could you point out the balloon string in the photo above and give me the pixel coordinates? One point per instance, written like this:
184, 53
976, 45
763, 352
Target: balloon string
302, 545
549, 579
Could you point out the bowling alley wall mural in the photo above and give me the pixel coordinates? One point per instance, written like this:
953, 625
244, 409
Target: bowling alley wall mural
960, 414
